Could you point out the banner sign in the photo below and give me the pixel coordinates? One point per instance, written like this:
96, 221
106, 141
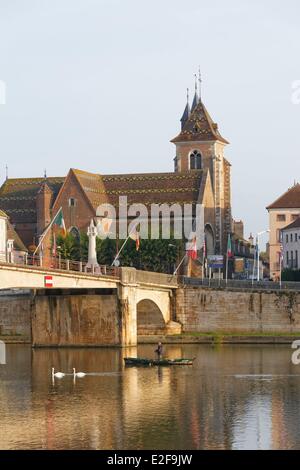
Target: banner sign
215, 261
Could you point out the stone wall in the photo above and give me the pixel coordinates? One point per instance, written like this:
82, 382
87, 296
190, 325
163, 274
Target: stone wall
91, 320
219, 310
15, 317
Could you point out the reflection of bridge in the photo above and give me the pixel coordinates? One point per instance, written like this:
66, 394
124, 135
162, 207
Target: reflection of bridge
106, 308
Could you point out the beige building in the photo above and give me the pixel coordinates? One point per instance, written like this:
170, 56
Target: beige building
282, 212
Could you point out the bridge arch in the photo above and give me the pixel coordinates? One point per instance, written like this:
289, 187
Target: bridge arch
150, 319
153, 311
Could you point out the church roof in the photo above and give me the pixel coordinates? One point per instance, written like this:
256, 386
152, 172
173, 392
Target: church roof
144, 188
199, 126
186, 115
195, 100
289, 200
18, 197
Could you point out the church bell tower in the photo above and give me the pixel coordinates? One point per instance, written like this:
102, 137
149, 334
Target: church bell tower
200, 147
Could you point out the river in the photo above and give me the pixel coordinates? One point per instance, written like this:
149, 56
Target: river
233, 397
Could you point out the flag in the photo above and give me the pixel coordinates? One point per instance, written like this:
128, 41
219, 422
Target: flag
229, 247
137, 241
135, 235
192, 249
59, 223
204, 249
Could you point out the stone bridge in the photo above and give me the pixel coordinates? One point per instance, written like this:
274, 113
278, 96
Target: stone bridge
68, 308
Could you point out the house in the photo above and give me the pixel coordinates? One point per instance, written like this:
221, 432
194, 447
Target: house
283, 212
12, 249
291, 245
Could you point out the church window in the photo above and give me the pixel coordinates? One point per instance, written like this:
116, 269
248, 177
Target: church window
75, 233
195, 160
72, 202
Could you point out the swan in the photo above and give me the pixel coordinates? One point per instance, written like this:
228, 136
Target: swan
58, 375
78, 374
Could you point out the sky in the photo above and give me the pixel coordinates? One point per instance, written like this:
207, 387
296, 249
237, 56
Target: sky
100, 85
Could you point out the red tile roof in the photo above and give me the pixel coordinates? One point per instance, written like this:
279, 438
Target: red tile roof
18, 197
289, 200
145, 188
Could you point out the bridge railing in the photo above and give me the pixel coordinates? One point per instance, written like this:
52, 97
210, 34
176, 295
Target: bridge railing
56, 263
185, 281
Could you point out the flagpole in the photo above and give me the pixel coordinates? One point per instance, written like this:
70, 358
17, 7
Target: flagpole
47, 230
280, 279
175, 272
227, 267
119, 252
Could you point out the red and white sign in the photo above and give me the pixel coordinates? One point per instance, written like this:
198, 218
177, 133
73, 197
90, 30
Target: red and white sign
48, 281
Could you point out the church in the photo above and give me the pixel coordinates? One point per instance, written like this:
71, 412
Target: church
201, 174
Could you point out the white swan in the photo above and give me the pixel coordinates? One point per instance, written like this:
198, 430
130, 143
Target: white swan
58, 375
78, 374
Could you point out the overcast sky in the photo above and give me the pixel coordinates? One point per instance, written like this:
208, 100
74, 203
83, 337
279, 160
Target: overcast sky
100, 85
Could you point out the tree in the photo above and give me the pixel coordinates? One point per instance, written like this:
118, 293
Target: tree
154, 255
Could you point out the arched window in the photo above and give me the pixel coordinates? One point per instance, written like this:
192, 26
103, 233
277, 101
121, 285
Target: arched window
195, 160
75, 233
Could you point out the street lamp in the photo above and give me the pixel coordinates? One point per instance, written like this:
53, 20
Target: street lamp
258, 251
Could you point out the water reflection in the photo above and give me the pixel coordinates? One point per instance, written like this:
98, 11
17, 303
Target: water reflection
234, 397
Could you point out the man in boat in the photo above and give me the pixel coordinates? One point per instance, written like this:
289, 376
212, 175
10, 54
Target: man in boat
159, 350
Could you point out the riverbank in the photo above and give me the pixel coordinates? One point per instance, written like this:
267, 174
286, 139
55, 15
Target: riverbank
221, 338
195, 338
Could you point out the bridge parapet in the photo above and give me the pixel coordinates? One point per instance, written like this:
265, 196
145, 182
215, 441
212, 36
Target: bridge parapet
157, 279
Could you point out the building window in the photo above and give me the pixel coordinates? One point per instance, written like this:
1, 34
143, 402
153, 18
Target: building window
75, 233
296, 237
287, 258
72, 202
175, 164
295, 217
287, 238
195, 160
291, 238
281, 217
296, 259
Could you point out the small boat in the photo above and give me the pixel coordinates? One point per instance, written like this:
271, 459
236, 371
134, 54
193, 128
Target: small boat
138, 361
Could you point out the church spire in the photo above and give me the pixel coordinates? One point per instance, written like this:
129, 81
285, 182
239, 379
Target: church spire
196, 96
187, 110
200, 84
